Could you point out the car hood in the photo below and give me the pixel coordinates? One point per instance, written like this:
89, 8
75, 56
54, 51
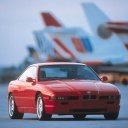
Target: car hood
79, 86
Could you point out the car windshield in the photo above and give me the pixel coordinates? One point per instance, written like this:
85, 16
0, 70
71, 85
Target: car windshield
57, 72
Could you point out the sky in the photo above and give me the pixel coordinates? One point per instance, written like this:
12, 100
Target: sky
19, 18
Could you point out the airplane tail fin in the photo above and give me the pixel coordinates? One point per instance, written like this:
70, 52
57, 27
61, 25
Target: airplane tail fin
50, 20
103, 38
96, 18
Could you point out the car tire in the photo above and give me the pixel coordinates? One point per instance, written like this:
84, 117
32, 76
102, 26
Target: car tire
79, 116
111, 116
12, 109
41, 115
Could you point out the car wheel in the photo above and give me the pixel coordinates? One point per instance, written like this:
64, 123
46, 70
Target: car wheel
41, 115
12, 109
79, 116
111, 116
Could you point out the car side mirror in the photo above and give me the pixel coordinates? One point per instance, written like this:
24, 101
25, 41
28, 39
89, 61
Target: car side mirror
104, 78
29, 79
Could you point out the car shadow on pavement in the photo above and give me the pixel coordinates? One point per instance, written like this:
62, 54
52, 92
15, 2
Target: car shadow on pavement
72, 119
66, 119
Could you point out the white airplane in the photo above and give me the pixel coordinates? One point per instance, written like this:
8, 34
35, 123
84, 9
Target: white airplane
57, 41
103, 39
103, 27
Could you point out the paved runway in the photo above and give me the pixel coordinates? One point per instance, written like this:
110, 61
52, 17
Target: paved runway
91, 121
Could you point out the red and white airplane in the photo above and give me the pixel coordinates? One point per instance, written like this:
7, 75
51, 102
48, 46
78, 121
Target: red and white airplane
57, 41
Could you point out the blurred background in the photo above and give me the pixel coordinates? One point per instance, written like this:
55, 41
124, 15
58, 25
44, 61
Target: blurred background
94, 32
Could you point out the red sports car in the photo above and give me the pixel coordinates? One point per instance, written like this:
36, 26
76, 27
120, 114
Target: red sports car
62, 88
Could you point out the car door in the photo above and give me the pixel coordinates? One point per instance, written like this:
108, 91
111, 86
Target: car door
25, 94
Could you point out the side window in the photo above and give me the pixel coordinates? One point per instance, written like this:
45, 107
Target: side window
30, 72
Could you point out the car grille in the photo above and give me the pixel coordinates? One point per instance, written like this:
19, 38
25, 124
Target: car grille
89, 97
72, 97
109, 97
103, 97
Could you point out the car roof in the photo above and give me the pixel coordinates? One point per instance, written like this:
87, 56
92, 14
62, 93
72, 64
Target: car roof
57, 63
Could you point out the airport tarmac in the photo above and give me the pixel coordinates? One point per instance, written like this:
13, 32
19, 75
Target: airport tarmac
91, 121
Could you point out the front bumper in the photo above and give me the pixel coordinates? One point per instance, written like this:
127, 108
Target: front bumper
82, 106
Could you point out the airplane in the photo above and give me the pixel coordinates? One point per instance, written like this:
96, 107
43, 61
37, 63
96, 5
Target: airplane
62, 43
59, 41
107, 34
105, 27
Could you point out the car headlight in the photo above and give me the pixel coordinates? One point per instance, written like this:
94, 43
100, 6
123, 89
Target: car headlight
114, 97
111, 97
63, 97
57, 98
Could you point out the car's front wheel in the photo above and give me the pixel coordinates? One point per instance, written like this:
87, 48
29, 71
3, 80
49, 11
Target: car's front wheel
111, 116
79, 116
41, 115
12, 109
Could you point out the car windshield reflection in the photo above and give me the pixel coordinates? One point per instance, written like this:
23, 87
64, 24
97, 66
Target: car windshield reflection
62, 72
